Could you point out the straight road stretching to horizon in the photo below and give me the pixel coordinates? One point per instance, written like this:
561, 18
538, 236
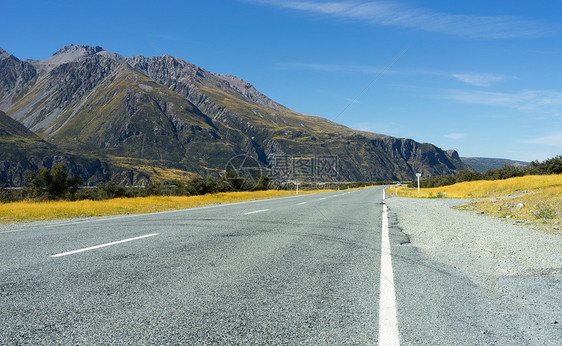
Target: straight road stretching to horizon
297, 270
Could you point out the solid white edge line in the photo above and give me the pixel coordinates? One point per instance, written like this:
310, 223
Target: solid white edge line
301, 203
255, 211
388, 321
103, 245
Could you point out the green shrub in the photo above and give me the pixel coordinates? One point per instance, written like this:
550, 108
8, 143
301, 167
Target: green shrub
109, 190
53, 184
9, 195
544, 211
505, 172
550, 166
468, 175
437, 181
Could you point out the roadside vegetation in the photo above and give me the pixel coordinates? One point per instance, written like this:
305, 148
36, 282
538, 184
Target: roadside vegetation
528, 194
55, 185
531, 199
52, 194
550, 166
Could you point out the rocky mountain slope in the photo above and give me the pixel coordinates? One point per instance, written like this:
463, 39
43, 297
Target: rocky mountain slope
165, 112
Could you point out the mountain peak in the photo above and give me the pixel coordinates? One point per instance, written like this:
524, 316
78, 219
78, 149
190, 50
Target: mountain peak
80, 50
453, 154
3, 54
72, 52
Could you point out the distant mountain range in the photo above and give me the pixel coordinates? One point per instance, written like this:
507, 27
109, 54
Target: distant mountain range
132, 119
482, 164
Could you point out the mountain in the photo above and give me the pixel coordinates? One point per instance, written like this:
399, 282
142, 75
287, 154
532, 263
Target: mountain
22, 152
482, 164
168, 113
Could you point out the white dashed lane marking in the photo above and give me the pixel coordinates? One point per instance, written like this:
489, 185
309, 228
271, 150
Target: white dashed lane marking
255, 211
103, 245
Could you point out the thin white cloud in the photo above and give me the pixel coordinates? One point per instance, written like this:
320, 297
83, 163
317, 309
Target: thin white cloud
551, 140
479, 79
476, 79
545, 102
351, 68
390, 13
329, 67
455, 135
353, 100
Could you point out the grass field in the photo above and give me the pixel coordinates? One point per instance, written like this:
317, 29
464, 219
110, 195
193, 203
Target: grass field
533, 199
36, 211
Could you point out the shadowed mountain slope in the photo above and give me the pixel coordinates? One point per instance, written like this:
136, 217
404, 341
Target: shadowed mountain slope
22, 152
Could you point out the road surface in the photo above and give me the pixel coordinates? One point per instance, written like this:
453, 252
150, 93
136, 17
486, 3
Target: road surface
295, 270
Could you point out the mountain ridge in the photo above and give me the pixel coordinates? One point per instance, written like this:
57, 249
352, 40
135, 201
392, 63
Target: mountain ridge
482, 164
168, 110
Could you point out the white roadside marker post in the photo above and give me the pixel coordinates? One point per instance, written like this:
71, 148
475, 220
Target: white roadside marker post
418, 175
296, 184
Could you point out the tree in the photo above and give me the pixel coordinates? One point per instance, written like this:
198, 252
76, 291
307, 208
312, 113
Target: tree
53, 184
550, 166
109, 190
468, 175
554, 165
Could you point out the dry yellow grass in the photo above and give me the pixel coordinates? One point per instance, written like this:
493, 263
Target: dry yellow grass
535, 199
52, 210
487, 188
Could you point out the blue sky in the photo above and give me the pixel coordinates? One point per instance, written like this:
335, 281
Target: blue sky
481, 77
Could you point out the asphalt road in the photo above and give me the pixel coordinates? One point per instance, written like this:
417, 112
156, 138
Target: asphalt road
296, 270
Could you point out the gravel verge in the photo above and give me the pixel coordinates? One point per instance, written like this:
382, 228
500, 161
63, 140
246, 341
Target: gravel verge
519, 264
480, 244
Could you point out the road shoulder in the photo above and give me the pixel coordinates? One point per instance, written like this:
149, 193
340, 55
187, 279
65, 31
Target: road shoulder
480, 244
518, 265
